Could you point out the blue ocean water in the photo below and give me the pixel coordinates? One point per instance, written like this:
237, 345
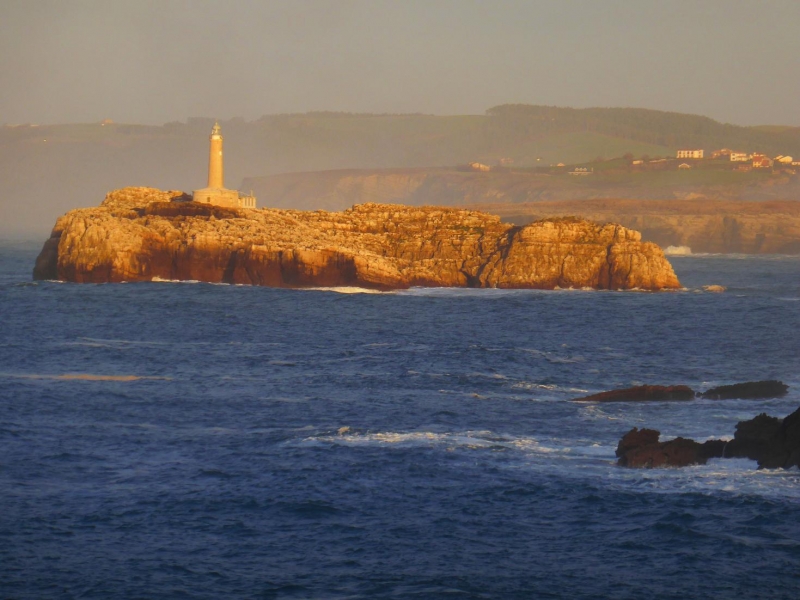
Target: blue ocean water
187, 440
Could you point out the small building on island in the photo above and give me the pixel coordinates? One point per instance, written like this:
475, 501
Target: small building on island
761, 161
740, 157
216, 193
581, 171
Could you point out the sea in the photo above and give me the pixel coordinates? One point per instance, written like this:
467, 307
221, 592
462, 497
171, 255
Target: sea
195, 441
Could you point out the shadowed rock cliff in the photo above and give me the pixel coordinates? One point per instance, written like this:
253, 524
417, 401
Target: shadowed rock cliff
138, 234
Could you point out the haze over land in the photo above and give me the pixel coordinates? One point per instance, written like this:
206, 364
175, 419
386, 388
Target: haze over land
150, 66
153, 62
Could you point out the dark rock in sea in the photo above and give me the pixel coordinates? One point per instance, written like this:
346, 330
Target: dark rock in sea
750, 390
636, 438
641, 448
772, 442
642, 393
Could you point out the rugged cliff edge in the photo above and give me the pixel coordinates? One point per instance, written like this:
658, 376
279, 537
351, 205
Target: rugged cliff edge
140, 234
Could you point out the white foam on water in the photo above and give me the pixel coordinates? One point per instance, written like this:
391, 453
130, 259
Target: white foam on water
458, 292
525, 385
447, 441
347, 290
678, 251
735, 476
163, 280
582, 459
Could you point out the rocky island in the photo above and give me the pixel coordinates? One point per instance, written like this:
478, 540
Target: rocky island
142, 234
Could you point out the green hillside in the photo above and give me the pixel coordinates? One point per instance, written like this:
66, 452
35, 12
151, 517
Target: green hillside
665, 129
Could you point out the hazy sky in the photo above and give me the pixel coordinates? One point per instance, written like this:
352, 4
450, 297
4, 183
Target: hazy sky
148, 61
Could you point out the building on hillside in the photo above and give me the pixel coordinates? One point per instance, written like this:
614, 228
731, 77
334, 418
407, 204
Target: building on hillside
476, 166
720, 153
784, 160
760, 161
581, 171
216, 193
740, 157
690, 154
638, 161
684, 166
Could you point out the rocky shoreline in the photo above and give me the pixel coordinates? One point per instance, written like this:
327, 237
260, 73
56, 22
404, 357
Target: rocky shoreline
141, 234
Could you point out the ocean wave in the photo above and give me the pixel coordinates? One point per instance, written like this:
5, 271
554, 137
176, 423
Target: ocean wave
481, 439
582, 459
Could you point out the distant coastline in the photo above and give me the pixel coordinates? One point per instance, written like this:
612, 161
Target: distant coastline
92, 158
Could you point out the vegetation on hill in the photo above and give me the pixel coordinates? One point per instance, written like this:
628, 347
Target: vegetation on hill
668, 129
47, 170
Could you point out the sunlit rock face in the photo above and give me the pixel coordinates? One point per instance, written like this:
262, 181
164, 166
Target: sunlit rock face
139, 234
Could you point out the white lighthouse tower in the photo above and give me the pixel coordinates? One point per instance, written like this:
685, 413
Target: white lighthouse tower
216, 175
216, 193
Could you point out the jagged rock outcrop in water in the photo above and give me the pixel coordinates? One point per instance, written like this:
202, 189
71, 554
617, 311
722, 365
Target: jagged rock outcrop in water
138, 234
772, 442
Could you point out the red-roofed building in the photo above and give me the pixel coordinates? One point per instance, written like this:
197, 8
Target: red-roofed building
761, 161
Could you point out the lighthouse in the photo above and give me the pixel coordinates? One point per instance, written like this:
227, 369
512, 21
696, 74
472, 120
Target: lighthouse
215, 192
216, 175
